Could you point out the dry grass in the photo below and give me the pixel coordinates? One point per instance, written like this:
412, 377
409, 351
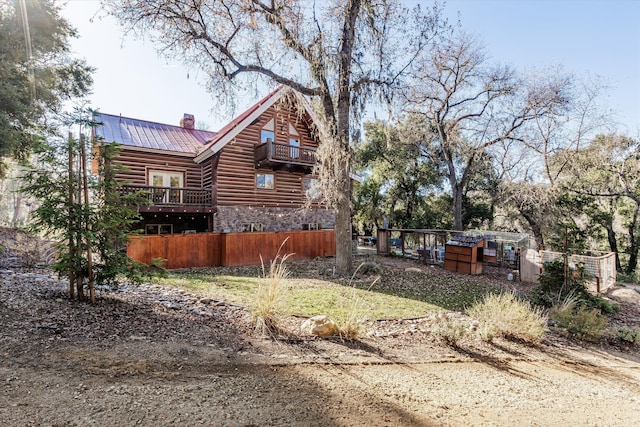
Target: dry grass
267, 310
582, 322
449, 330
352, 310
505, 315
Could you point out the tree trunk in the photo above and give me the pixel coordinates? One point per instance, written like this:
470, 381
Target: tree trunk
633, 242
17, 201
536, 228
456, 193
613, 244
343, 237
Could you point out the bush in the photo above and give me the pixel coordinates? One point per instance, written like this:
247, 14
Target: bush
507, 316
627, 334
579, 320
552, 289
448, 330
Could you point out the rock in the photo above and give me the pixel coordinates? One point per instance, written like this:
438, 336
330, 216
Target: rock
321, 326
625, 295
413, 270
205, 300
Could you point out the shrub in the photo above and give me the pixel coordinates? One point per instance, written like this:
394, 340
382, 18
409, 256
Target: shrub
552, 289
579, 320
266, 310
505, 315
627, 334
448, 330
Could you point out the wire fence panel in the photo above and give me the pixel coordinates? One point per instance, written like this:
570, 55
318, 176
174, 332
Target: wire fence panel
600, 270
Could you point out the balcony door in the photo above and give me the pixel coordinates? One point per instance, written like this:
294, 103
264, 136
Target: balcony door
171, 182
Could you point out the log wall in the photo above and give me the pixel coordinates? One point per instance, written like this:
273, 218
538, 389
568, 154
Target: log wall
138, 163
236, 172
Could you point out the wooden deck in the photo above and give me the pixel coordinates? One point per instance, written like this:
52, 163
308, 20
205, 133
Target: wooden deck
173, 196
275, 154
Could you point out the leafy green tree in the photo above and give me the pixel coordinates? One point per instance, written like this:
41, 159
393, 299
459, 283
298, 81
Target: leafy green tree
87, 214
399, 178
37, 73
606, 173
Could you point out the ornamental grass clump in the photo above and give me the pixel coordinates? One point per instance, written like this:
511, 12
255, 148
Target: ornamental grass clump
269, 296
350, 317
505, 315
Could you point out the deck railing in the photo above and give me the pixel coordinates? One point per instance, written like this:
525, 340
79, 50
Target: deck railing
285, 153
179, 196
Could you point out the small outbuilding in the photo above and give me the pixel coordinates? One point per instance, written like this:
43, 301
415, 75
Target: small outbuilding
464, 254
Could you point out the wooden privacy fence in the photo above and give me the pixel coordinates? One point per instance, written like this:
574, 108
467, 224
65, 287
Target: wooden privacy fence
230, 249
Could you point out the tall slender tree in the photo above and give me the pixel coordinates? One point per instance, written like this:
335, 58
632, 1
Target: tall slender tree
338, 52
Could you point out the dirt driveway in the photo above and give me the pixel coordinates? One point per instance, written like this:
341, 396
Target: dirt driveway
147, 356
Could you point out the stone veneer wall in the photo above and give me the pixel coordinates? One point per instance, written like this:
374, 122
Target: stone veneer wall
231, 218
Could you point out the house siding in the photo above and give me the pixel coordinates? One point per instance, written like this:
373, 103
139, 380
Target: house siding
138, 163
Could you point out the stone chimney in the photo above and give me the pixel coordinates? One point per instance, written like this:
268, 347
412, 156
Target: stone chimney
188, 121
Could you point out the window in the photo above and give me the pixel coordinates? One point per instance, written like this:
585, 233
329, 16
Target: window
266, 135
294, 151
312, 226
268, 132
158, 229
167, 186
252, 227
265, 180
310, 188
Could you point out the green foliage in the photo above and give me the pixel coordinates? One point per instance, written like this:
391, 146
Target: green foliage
582, 322
629, 334
100, 223
399, 176
32, 88
505, 315
552, 288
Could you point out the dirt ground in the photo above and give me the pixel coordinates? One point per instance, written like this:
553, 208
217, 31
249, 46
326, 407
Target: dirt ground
156, 357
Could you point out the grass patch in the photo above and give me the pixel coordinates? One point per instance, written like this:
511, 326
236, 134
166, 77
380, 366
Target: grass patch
310, 290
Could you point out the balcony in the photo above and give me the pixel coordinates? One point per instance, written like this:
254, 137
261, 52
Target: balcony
187, 199
277, 155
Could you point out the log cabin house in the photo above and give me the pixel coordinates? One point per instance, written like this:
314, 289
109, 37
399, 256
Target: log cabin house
255, 174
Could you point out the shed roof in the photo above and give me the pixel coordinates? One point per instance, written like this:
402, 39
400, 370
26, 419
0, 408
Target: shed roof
145, 134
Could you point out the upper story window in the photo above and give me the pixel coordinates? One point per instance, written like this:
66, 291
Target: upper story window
265, 180
268, 132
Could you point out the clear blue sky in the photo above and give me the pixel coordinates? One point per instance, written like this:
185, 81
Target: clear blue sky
600, 38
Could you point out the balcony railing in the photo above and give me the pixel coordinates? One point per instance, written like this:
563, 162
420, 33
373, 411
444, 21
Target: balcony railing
173, 196
275, 152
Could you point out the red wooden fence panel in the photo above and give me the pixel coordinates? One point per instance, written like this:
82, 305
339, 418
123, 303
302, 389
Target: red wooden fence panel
230, 249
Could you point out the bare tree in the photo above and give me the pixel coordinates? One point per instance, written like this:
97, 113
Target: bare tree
472, 106
570, 118
339, 52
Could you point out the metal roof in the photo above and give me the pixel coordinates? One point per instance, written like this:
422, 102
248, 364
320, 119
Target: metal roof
144, 134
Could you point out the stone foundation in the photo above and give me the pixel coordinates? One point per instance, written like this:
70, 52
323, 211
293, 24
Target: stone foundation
232, 218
